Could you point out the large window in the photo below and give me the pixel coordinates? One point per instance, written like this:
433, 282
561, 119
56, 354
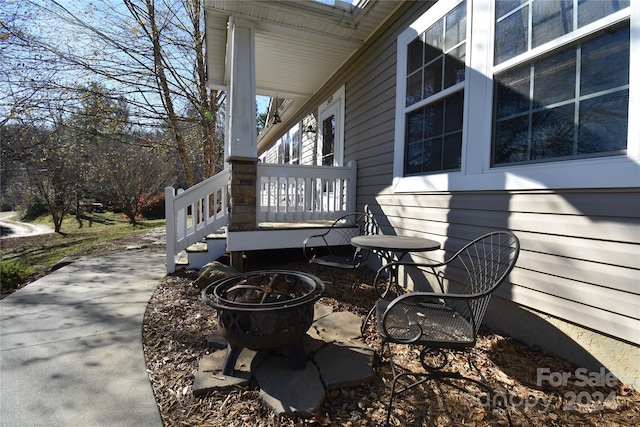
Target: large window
435, 95
568, 102
517, 94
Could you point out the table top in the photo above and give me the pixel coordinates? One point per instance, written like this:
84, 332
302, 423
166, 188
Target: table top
395, 243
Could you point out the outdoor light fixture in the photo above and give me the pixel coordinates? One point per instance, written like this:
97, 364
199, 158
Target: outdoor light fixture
310, 129
276, 117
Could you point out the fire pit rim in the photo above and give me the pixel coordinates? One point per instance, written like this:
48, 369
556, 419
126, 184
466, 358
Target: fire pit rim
314, 295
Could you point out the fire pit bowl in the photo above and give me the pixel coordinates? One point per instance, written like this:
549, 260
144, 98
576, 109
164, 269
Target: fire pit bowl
262, 310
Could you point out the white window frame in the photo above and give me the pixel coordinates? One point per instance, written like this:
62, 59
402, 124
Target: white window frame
333, 105
476, 172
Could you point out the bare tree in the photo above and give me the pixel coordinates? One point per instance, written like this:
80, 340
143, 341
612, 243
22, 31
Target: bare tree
149, 53
158, 48
133, 178
52, 173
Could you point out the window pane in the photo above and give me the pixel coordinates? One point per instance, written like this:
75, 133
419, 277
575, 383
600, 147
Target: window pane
513, 92
505, 6
296, 148
432, 79
433, 42
552, 133
451, 159
415, 126
456, 26
554, 78
454, 112
454, 66
512, 140
414, 88
550, 20
433, 119
591, 10
328, 139
603, 124
432, 155
414, 55
598, 56
413, 165
511, 36
287, 150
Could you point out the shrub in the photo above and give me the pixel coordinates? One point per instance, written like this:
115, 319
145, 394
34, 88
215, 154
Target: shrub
12, 273
35, 210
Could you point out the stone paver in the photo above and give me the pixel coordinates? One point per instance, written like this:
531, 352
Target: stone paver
344, 365
287, 391
209, 376
337, 327
337, 359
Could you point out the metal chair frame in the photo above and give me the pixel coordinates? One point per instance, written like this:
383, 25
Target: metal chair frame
448, 318
342, 256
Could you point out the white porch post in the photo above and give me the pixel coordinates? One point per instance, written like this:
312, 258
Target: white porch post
241, 135
241, 138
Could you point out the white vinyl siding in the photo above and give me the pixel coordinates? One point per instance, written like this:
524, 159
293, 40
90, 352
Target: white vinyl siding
579, 257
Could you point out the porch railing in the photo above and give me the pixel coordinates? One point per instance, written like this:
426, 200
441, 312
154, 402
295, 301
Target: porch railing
285, 193
193, 214
298, 193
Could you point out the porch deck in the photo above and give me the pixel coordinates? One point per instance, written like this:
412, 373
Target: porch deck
291, 200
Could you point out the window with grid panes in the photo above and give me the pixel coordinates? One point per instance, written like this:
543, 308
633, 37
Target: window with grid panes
435, 95
565, 102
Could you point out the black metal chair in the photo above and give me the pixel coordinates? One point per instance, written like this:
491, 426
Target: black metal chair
448, 318
333, 250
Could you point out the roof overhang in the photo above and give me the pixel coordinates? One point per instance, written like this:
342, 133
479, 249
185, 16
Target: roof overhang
299, 44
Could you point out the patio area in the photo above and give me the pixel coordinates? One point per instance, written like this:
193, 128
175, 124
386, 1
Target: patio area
176, 335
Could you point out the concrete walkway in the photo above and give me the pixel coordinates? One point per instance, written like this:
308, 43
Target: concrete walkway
71, 345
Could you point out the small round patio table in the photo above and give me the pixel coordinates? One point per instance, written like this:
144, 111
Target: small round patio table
386, 246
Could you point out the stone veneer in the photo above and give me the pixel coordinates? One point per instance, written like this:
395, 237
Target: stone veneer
242, 192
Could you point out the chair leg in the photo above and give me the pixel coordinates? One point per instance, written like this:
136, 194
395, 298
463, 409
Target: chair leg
419, 378
434, 373
359, 274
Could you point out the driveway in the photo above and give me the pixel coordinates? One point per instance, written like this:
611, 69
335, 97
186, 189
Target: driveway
20, 229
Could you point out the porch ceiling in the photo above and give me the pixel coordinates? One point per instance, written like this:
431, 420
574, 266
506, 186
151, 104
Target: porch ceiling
299, 44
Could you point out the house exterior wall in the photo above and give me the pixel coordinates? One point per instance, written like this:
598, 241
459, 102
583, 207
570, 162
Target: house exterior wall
307, 143
575, 288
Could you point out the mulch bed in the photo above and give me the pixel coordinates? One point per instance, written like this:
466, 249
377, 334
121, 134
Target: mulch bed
177, 325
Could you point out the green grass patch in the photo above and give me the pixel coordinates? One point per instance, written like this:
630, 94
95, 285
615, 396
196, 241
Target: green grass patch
37, 253
13, 272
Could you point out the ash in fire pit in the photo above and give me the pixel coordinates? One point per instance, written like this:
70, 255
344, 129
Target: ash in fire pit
264, 310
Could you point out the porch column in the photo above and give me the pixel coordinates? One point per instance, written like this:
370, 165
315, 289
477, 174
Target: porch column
241, 139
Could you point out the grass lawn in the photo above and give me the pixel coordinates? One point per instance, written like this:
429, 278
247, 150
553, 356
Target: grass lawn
25, 257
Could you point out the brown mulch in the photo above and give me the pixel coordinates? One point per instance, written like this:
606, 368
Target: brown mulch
177, 324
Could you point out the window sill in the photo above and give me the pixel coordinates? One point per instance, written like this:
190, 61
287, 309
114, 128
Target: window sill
611, 172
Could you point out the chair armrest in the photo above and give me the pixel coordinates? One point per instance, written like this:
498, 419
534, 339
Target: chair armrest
431, 296
433, 303
310, 243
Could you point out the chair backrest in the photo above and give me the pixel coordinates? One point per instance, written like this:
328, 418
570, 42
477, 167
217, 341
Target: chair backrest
480, 267
355, 224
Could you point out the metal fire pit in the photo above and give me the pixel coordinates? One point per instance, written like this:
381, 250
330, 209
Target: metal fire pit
264, 310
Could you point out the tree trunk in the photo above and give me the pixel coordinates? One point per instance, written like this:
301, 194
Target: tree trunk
161, 79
